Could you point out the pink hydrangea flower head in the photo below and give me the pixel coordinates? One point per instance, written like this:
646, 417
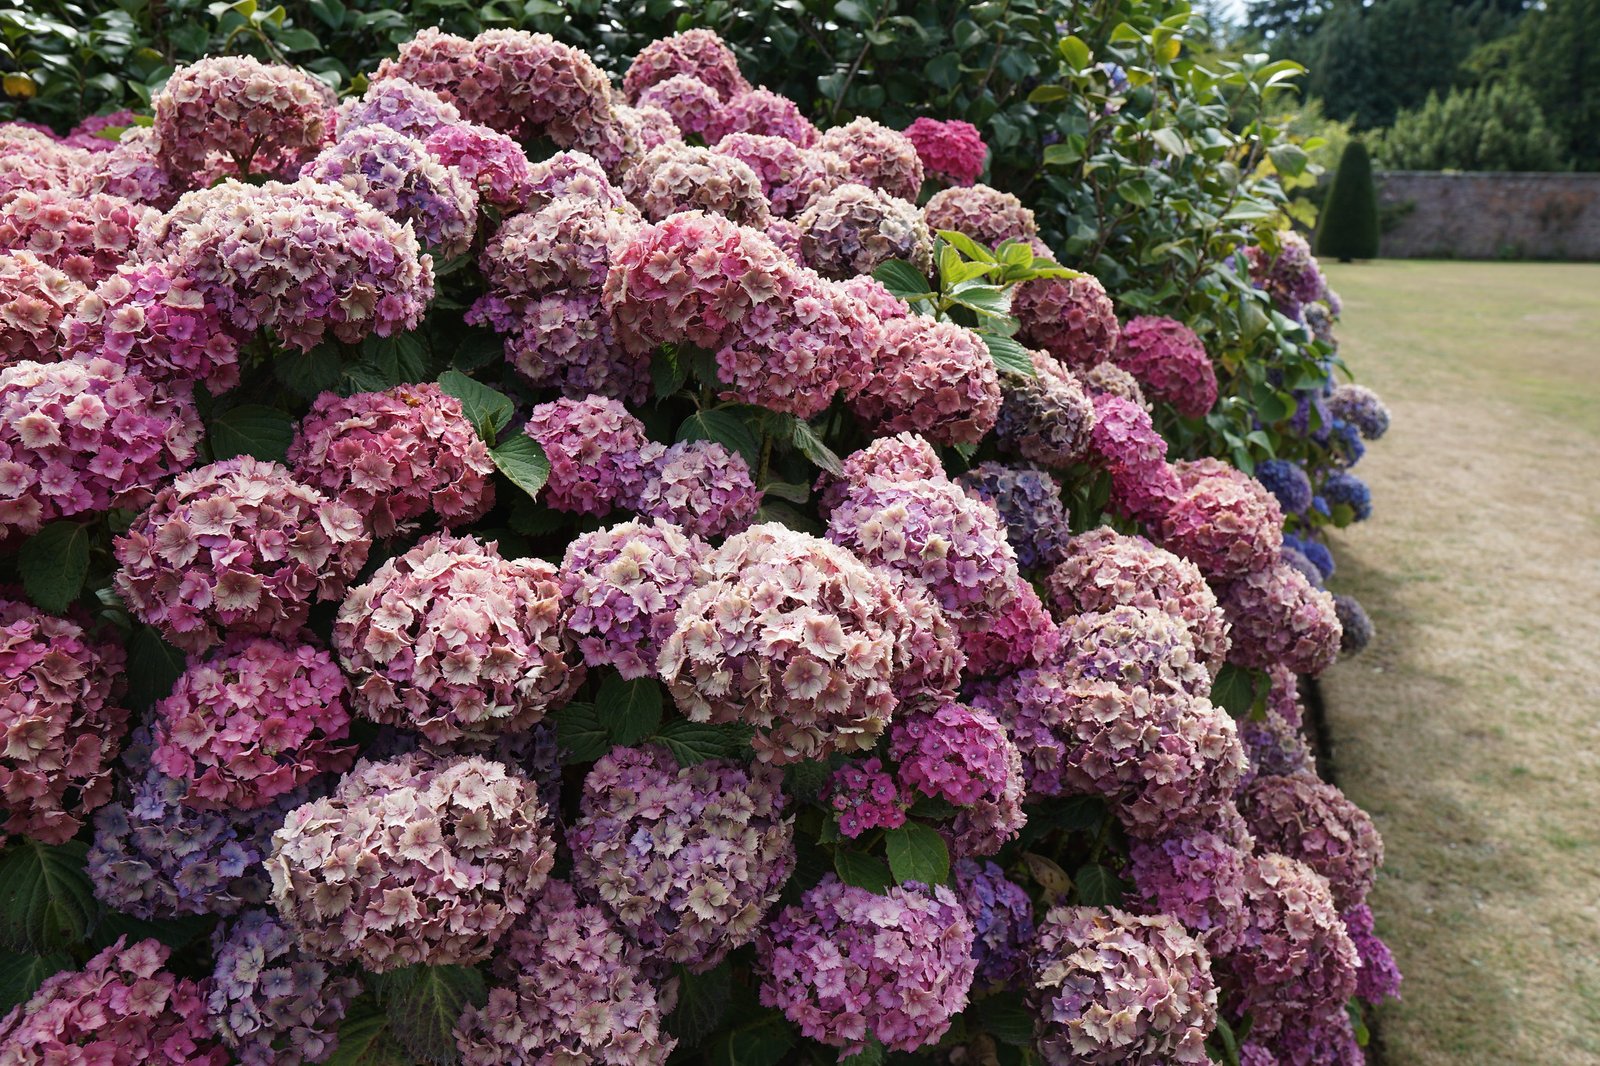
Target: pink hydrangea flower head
679, 177
452, 850
401, 106
962, 755
1379, 978
952, 150
1071, 318
1110, 379
928, 655
1002, 921
594, 450
695, 107
699, 485
883, 303
623, 586
86, 237
270, 1002
1146, 647
848, 965
1308, 819
396, 174
82, 437
1115, 989
121, 1008
492, 163
1197, 878
902, 457
864, 796
396, 457
687, 858
572, 174
130, 168
239, 546
1283, 698
791, 177
452, 640
234, 116
985, 214
1047, 418
251, 721
878, 157
793, 636
933, 378
573, 987
1104, 569
1125, 443
1022, 636
37, 303
699, 53
766, 113
852, 229
1169, 362
61, 715
620, 140
1225, 522
1278, 617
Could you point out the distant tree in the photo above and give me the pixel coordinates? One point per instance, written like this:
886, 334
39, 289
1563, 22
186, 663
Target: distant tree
1558, 58
1498, 127
1349, 227
1286, 18
1368, 63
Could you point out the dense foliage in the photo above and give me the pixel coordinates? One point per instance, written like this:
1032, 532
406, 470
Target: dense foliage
1497, 128
1348, 228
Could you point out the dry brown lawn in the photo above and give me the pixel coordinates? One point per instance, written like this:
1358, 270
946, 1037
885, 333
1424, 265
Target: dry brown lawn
1471, 728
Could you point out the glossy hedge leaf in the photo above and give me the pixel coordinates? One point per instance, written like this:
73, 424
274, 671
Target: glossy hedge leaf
365, 1040
811, 446
423, 1003
702, 1004
630, 710
153, 667
695, 742
761, 1042
1009, 356
22, 974
46, 901
902, 279
1074, 51
917, 853
524, 462
487, 409
580, 734
1098, 886
724, 427
54, 563
862, 870
252, 429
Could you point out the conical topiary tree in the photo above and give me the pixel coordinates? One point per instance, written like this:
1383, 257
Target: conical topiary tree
1349, 226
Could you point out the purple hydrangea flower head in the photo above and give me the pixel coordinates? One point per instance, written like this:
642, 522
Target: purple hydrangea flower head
1355, 625
1287, 481
234, 116
1277, 616
1170, 363
1314, 550
1361, 407
1108, 378
852, 229
695, 107
902, 457
1125, 443
699, 53
878, 157
1197, 877
985, 214
1292, 277
1326, 1039
1308, 819
952, 150
1343, 487
932, 378
1379, 977
699, 485
1029, 502
962, 755
1002, 920
1047, 418
400, 105
1275, 747
593, 446
1223, 521
572, 174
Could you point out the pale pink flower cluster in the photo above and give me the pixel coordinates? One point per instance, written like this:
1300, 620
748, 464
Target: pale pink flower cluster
131, 168
1109, 378
792, 177
86, 237
32, 158
933, 378
239, 546
85, 436
593, 446
951, 149
864, 796
878, 157
452, 640
1147, 647
687, 858
573, 988
401, 106
234, 116
491, 162
765, 113
1224, 521
848, 965
1047, 418
622, 587
1308, 819
852, 230
1114, 989
572, 174
396, 457
698, 53
695, 107
902, 457
1279, 617
1023, 635
1125, 443
1170, 363
963, 755
420, 859
680, 177
982, 212
61, 719
37, 301
1071, 318
253, 720
699, 485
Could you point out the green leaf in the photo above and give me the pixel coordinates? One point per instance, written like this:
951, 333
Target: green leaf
1063, 154
862, 870
489, 410
580, 734
1009, 356
796, 519
631, 710
252, 429
968, 247
523, 461
695, 742
1074, 51
46, 901
365, 1039
811, 446
762, 1042
917, 853
22, 974
153, 667
54, 563
306, 374
668, 372
1289, 159
534, 520
1048, 94
478, 349
1097, 886
1235, 690
1006, 1018
423, 1004
804, 780
902, 279
1136, 192
726, 428
1170, 141
985, 299
702, 1003
871, 1055
175, 933
793, 491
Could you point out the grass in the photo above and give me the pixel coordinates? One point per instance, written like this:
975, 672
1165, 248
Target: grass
1471, 728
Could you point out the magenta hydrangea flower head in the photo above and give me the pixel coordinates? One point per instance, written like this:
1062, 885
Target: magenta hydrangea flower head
962, 755
985, 214
622, 587
85, 436
86, 237
1071, 318
699, 485
303, 260
492, 163
864, 796
951, 150
1047, 418
688, 859
1306, 818
1327, 1039
933, 378
1278, 616
1170, 363
87, 133
848, 965
679, 177
572, 174
239, 546
271, 1003
1107, 377
452, 850
37, 305
695, 107
121, 1008
765, 113
61, 714
593, 446
1023, 635
1147, 647
396, 174
400, 105
1103, 569
1002, 920
1195, 876
1223, 521
1115, 989
252, 721
234, 116
574, 988
396, 457
1379, 977
878, 157
791, 635
699, 53
1125, 442
792, 177
454, 641
853, 229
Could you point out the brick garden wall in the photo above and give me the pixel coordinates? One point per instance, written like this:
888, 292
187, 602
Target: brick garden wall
1490, 215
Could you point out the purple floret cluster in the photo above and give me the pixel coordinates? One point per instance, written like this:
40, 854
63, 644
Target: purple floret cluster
1029, 502
1002, 921
963, 755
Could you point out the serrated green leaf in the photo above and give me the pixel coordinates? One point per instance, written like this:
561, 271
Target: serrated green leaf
902, 279
1097, 886
724, 427
862, 870
580, 734
306, 374
153, 667
423, 1004
252, 429
793, 491
761, 1042
1006, 1018
695, 742
54, 563
811, 446
478, 349
668, 372
366, 1040
871, 1055
175, 933
522, 460
489, 410
1009, 356
703, 1000
46, 901
22, 974
917, 853
1234, 690
630, 710
804, 780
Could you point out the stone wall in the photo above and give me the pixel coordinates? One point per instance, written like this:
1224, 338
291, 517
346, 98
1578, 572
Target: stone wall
1489, 215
